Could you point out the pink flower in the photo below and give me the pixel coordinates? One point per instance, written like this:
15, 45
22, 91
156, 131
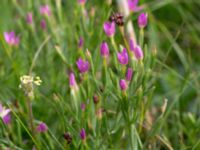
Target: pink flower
29, 18
7, 119
83, 134
43, 24
138, 53
133, 5
123, 85
42, 127
104, 50
82, 65
109, 28
123, 57
5, 114
142, 20
11, 38
45, 10
72, 80
129, 74
82, 2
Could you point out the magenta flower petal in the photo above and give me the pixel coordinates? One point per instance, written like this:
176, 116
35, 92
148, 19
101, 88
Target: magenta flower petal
142, 20
104, 50
29, 18
109, 28
82, 2
123, 57
123, 85
72, 80
82, 65
83, 134
132, 4
129, 74
45, 10
7, 119
138, 53
11, 39
42, 127
43, 24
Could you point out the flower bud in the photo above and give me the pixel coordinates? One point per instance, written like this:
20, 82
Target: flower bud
142, 20
138, 53
129, 74
104, 50
109, 28
83, 134
123, 85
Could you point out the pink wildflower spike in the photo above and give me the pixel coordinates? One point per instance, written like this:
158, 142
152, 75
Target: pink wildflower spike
43, 24
138, 53
123, 85
83, 134
133, 6
123, 57
82, 65
82, 2
29, 18
129, 74
104, 50
45, 10
109, 28
11, 38
42, 127
142, 20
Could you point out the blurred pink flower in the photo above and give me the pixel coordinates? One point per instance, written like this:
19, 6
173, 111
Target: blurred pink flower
123, 85
45, 10
123, 57
83, 65
29, 18
109, 28
43, 24
83, 134
11, 38
5, 114
104, 50
133, 5
42, 127
138, 53
129, 74
142, 20
82, 2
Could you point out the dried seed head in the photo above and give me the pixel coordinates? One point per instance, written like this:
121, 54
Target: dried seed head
96, 99
67, 136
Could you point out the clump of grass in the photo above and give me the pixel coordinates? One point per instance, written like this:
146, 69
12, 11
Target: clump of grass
106, 83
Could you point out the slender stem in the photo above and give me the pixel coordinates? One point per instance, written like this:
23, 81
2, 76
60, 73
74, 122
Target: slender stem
30, 115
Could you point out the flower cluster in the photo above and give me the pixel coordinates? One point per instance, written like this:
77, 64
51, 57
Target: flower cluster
27, 84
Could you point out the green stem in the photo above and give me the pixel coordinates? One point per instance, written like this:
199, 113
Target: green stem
30, 115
